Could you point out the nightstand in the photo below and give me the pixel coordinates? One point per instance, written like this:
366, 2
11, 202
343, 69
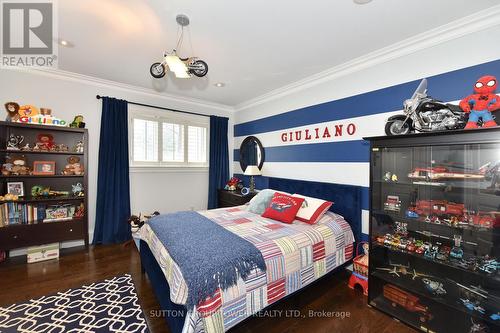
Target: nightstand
233, 198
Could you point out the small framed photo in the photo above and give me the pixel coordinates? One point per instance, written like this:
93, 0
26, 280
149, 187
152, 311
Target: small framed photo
16, 188
44, 168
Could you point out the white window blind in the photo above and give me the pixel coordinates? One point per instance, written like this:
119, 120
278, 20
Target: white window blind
158, 139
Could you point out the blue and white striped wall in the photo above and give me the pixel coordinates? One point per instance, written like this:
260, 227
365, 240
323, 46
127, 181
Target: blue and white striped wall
296, 146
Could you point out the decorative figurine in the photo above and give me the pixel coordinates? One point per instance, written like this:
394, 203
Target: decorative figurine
62, 148
387, 176
442, 173
480, 104
77, 122
394, 177
14, 142
77, 190
434, 287
26, 147
79, 147
80, 211
40, 191
12, 109
74, 167
45, 112
457, 252
232, 184
45, 142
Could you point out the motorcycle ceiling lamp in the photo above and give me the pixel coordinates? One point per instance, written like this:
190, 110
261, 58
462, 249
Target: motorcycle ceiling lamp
183, 68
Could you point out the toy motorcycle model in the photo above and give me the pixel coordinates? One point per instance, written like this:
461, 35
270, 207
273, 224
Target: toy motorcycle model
423, 113
194, 66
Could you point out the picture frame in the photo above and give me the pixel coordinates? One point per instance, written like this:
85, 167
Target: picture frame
41, 168
16, 188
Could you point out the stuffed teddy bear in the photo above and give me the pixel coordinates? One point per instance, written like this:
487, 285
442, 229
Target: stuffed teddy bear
17, 165
45, 142
74, 167
12, 109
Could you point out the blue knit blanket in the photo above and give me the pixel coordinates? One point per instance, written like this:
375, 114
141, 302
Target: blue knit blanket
208, 255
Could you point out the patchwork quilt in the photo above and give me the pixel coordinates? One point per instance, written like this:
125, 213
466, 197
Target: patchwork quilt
295, 254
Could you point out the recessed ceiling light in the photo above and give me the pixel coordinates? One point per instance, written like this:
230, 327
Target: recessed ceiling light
362, 2
219, 84
65, 43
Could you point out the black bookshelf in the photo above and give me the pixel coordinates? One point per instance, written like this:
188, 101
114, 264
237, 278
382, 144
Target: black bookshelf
17, 235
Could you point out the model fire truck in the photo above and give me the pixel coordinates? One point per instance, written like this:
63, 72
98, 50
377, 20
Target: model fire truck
439, 211
406, 301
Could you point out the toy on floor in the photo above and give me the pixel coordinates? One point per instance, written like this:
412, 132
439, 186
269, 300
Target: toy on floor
480, 104
136, 222
360, 273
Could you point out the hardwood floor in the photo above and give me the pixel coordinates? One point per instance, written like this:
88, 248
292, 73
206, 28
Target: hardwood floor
75, 267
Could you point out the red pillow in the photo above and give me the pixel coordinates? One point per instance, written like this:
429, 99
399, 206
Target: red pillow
283, 207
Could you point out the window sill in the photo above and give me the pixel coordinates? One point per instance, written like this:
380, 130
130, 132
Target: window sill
168, 169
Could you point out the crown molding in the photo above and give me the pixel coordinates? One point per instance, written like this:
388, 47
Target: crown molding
464, 26
95, 81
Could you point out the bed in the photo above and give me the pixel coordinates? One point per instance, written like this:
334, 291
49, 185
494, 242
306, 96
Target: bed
296, 255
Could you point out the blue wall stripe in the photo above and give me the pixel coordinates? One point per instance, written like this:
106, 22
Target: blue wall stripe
345, 151
447, 87
262, 182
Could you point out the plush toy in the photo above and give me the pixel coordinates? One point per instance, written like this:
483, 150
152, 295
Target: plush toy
45, 142
12, 109
18, 165
28, 111
77, 122
74, 167
482, 102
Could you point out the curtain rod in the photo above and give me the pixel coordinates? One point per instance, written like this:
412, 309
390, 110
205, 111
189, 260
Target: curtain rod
162, 108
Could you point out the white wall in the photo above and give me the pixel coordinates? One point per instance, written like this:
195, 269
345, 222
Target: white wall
69, 95
465, 51
468, 50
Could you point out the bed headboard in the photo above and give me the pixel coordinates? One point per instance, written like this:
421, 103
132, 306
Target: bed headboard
346, 198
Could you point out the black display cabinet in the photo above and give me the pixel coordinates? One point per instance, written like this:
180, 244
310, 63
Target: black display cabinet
435, 229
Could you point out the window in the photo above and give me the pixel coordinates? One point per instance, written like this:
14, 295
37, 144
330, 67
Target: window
159, 140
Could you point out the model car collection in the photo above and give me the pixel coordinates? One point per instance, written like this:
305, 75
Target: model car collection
437, 251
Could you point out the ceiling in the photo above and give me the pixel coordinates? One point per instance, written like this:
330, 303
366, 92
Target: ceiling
253, 47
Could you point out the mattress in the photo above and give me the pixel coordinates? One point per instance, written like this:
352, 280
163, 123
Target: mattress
295, 254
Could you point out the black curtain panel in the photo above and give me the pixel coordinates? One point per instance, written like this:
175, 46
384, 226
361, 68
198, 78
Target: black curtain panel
219, 158
113, 185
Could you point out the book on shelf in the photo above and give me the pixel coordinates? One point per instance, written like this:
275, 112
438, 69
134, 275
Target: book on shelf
12, 213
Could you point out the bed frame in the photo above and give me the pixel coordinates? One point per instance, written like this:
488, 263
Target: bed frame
347, 202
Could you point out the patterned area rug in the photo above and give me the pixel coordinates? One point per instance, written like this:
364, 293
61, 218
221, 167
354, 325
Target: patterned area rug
106, 306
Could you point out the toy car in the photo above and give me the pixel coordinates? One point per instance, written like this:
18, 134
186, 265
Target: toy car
443, 253
456, 253
403, 243
411, 246
431, 252
411, 214
392, 203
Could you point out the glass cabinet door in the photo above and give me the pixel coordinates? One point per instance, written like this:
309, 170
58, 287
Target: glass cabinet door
434, 234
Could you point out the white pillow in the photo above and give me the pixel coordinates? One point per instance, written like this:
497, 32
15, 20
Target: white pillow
312, 209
